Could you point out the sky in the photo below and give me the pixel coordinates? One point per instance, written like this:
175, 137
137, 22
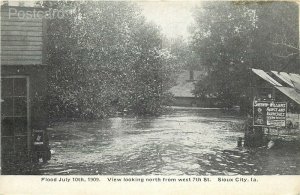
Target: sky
173, 17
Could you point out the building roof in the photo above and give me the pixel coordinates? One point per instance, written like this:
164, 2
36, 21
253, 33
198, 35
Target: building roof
295, 77
184, 86
290, 80
290, 92
297, 86
262, 74
183, 90
285, 77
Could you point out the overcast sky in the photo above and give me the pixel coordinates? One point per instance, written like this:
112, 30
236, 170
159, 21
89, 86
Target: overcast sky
173, 17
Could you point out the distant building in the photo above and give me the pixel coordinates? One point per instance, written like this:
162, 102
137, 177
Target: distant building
183, 90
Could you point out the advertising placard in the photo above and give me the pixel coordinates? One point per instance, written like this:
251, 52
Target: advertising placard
269, 113
38, 137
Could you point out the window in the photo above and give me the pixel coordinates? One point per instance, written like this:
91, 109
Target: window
14, 116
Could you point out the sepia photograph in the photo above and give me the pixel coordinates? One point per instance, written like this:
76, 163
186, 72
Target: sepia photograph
150, 88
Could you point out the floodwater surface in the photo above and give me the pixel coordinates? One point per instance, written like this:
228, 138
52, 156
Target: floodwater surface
185, 142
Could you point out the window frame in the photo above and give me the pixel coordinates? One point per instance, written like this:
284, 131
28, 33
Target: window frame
28, 132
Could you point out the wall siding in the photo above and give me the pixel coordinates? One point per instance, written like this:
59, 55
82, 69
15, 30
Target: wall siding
21, 39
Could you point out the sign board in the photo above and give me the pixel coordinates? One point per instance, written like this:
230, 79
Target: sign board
38, 137
269, 113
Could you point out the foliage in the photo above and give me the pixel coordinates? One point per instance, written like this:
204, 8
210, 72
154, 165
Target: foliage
180, 48
105, 58
232, 37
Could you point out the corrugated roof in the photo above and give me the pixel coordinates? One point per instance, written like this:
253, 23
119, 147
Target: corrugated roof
290, 92
296, 80
293, 80
262, 74
295, 77
285, 77
296, 86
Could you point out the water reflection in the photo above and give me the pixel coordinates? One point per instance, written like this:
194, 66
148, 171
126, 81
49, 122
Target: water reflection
184, 142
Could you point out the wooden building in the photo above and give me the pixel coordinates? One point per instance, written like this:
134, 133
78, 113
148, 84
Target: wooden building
183, 90
23, 79
279, 87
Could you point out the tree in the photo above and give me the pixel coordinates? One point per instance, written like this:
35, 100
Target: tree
105, 58
278, 23
231, 37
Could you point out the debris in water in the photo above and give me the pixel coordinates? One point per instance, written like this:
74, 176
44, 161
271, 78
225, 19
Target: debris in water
271, 144
229, 173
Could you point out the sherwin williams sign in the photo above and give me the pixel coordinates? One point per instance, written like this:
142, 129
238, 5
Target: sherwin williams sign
271, 114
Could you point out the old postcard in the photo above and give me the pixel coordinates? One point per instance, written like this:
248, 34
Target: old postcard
152, 97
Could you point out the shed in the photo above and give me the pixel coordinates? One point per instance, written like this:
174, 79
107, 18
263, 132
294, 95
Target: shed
183, 90
280, 86
23, 79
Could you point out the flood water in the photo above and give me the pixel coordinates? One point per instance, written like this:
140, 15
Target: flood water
184, 142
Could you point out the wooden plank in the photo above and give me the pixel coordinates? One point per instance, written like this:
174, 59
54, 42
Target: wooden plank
22, 62
21, 38
13, 14
22, 13
24, 53
18, 58
45, 40
22, 33
22, 28
23, 8
22, 16
21, 23
20, 43
17, 19
22, 48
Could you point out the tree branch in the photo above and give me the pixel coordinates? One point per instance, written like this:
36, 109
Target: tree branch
286, 56
285, 44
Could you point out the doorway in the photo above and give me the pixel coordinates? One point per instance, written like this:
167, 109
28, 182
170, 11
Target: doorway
15, 134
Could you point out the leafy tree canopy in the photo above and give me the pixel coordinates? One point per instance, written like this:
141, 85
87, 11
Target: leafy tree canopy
231, 37
104, 58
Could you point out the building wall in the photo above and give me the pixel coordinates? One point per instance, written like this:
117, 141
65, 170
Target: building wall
37, 77
22, 53
193, 102
184, 101
21, 37
22, 60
